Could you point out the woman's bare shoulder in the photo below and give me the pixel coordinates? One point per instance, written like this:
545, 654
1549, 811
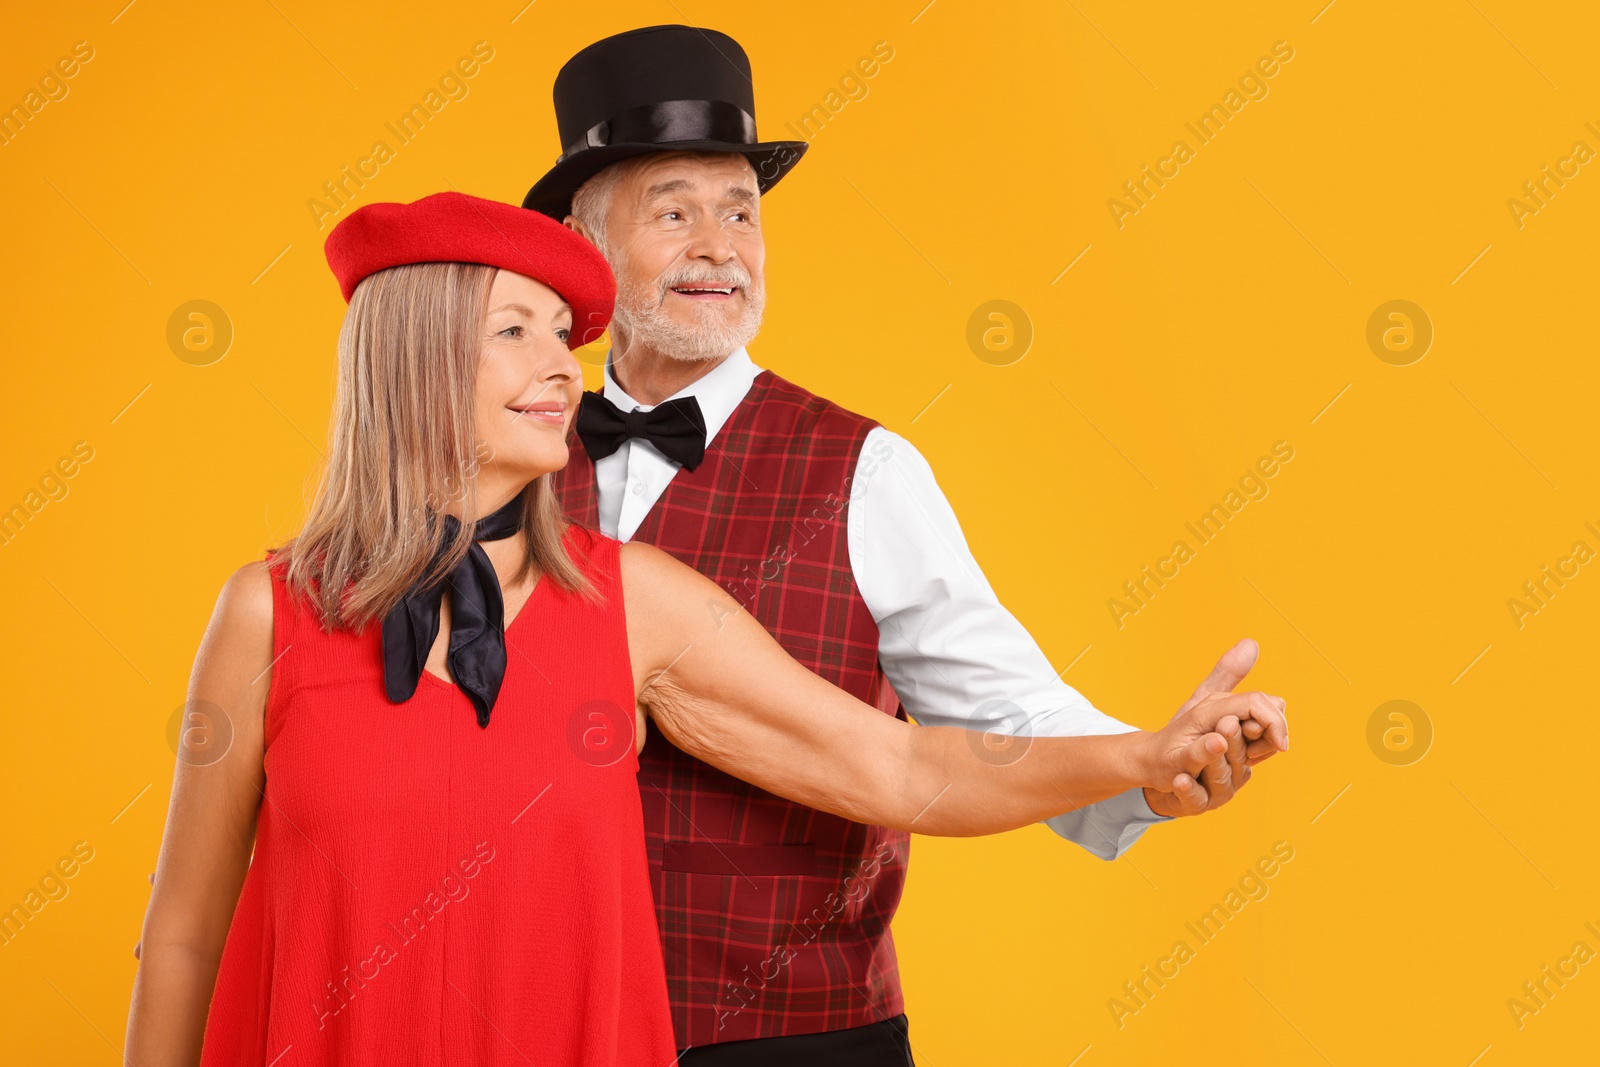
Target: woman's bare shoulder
655, 578
244, 607
248, 591
639, 559
233, 667
668, 602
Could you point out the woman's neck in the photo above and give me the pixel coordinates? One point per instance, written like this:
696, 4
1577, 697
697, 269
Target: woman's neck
491, 497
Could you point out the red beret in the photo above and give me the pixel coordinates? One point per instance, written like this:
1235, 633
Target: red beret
455, 227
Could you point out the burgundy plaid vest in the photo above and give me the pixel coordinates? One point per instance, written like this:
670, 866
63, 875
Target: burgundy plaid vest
774, 918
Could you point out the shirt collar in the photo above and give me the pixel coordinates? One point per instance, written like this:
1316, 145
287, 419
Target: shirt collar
718, 391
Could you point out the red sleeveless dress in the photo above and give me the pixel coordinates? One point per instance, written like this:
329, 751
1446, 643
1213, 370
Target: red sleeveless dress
428, 893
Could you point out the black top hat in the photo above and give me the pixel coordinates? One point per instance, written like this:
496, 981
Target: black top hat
656, 89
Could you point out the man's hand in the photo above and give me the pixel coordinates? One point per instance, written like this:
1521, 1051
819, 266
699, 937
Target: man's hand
1243, 743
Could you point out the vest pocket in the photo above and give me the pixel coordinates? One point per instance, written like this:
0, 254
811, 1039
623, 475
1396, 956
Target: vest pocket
715, 857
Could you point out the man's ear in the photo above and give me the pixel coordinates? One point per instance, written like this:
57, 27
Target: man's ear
576, 225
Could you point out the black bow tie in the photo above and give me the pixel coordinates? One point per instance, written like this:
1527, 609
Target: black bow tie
477, 655
675, 427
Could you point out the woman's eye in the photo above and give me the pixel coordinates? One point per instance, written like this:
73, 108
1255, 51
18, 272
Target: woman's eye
514, 330
563, 332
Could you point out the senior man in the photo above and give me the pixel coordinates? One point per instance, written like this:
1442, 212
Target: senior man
827, 527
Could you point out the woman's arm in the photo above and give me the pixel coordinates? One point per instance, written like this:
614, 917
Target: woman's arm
211, 824
722, 689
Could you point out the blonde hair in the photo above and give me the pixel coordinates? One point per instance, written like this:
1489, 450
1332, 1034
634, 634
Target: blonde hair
402, 446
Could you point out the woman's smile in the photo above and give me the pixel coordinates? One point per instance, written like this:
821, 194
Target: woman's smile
544, 412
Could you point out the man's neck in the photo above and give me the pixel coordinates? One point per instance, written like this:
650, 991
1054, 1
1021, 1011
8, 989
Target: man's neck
650, 377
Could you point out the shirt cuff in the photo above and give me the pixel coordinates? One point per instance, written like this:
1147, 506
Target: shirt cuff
1110, 827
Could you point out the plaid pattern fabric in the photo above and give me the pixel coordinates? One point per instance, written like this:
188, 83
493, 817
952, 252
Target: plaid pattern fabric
774, 917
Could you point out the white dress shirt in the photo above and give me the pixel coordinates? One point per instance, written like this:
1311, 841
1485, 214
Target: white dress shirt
954, 655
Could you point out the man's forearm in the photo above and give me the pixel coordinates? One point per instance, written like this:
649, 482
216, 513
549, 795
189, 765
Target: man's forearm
959, 786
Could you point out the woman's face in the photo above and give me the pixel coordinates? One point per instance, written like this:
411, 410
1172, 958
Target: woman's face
529, 385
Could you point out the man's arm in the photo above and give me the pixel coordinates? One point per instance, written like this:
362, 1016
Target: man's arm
954, 654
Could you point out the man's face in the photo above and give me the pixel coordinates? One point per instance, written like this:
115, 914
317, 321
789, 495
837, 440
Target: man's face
684, 239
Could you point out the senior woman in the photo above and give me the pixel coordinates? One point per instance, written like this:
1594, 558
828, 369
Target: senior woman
435, 694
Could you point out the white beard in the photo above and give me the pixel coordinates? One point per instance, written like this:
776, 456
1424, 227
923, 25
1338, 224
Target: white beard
640, 317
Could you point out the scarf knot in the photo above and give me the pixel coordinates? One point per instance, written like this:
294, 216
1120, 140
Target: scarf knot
477, 655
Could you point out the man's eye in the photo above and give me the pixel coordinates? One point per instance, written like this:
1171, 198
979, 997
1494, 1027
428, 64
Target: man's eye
665, 214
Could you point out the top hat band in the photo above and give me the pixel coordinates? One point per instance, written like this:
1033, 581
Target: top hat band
667, 121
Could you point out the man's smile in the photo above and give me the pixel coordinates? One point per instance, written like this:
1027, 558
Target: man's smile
705, 292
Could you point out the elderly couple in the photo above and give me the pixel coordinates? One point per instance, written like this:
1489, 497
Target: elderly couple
575, 728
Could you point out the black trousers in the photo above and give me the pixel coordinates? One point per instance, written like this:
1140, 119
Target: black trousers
882, 1044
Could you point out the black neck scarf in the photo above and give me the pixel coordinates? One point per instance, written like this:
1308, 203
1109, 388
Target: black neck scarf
477, 654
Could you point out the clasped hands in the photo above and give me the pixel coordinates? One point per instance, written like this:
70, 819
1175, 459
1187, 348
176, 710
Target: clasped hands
1204, 755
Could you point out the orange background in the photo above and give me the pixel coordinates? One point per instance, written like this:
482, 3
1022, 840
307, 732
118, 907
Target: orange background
1230, 312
